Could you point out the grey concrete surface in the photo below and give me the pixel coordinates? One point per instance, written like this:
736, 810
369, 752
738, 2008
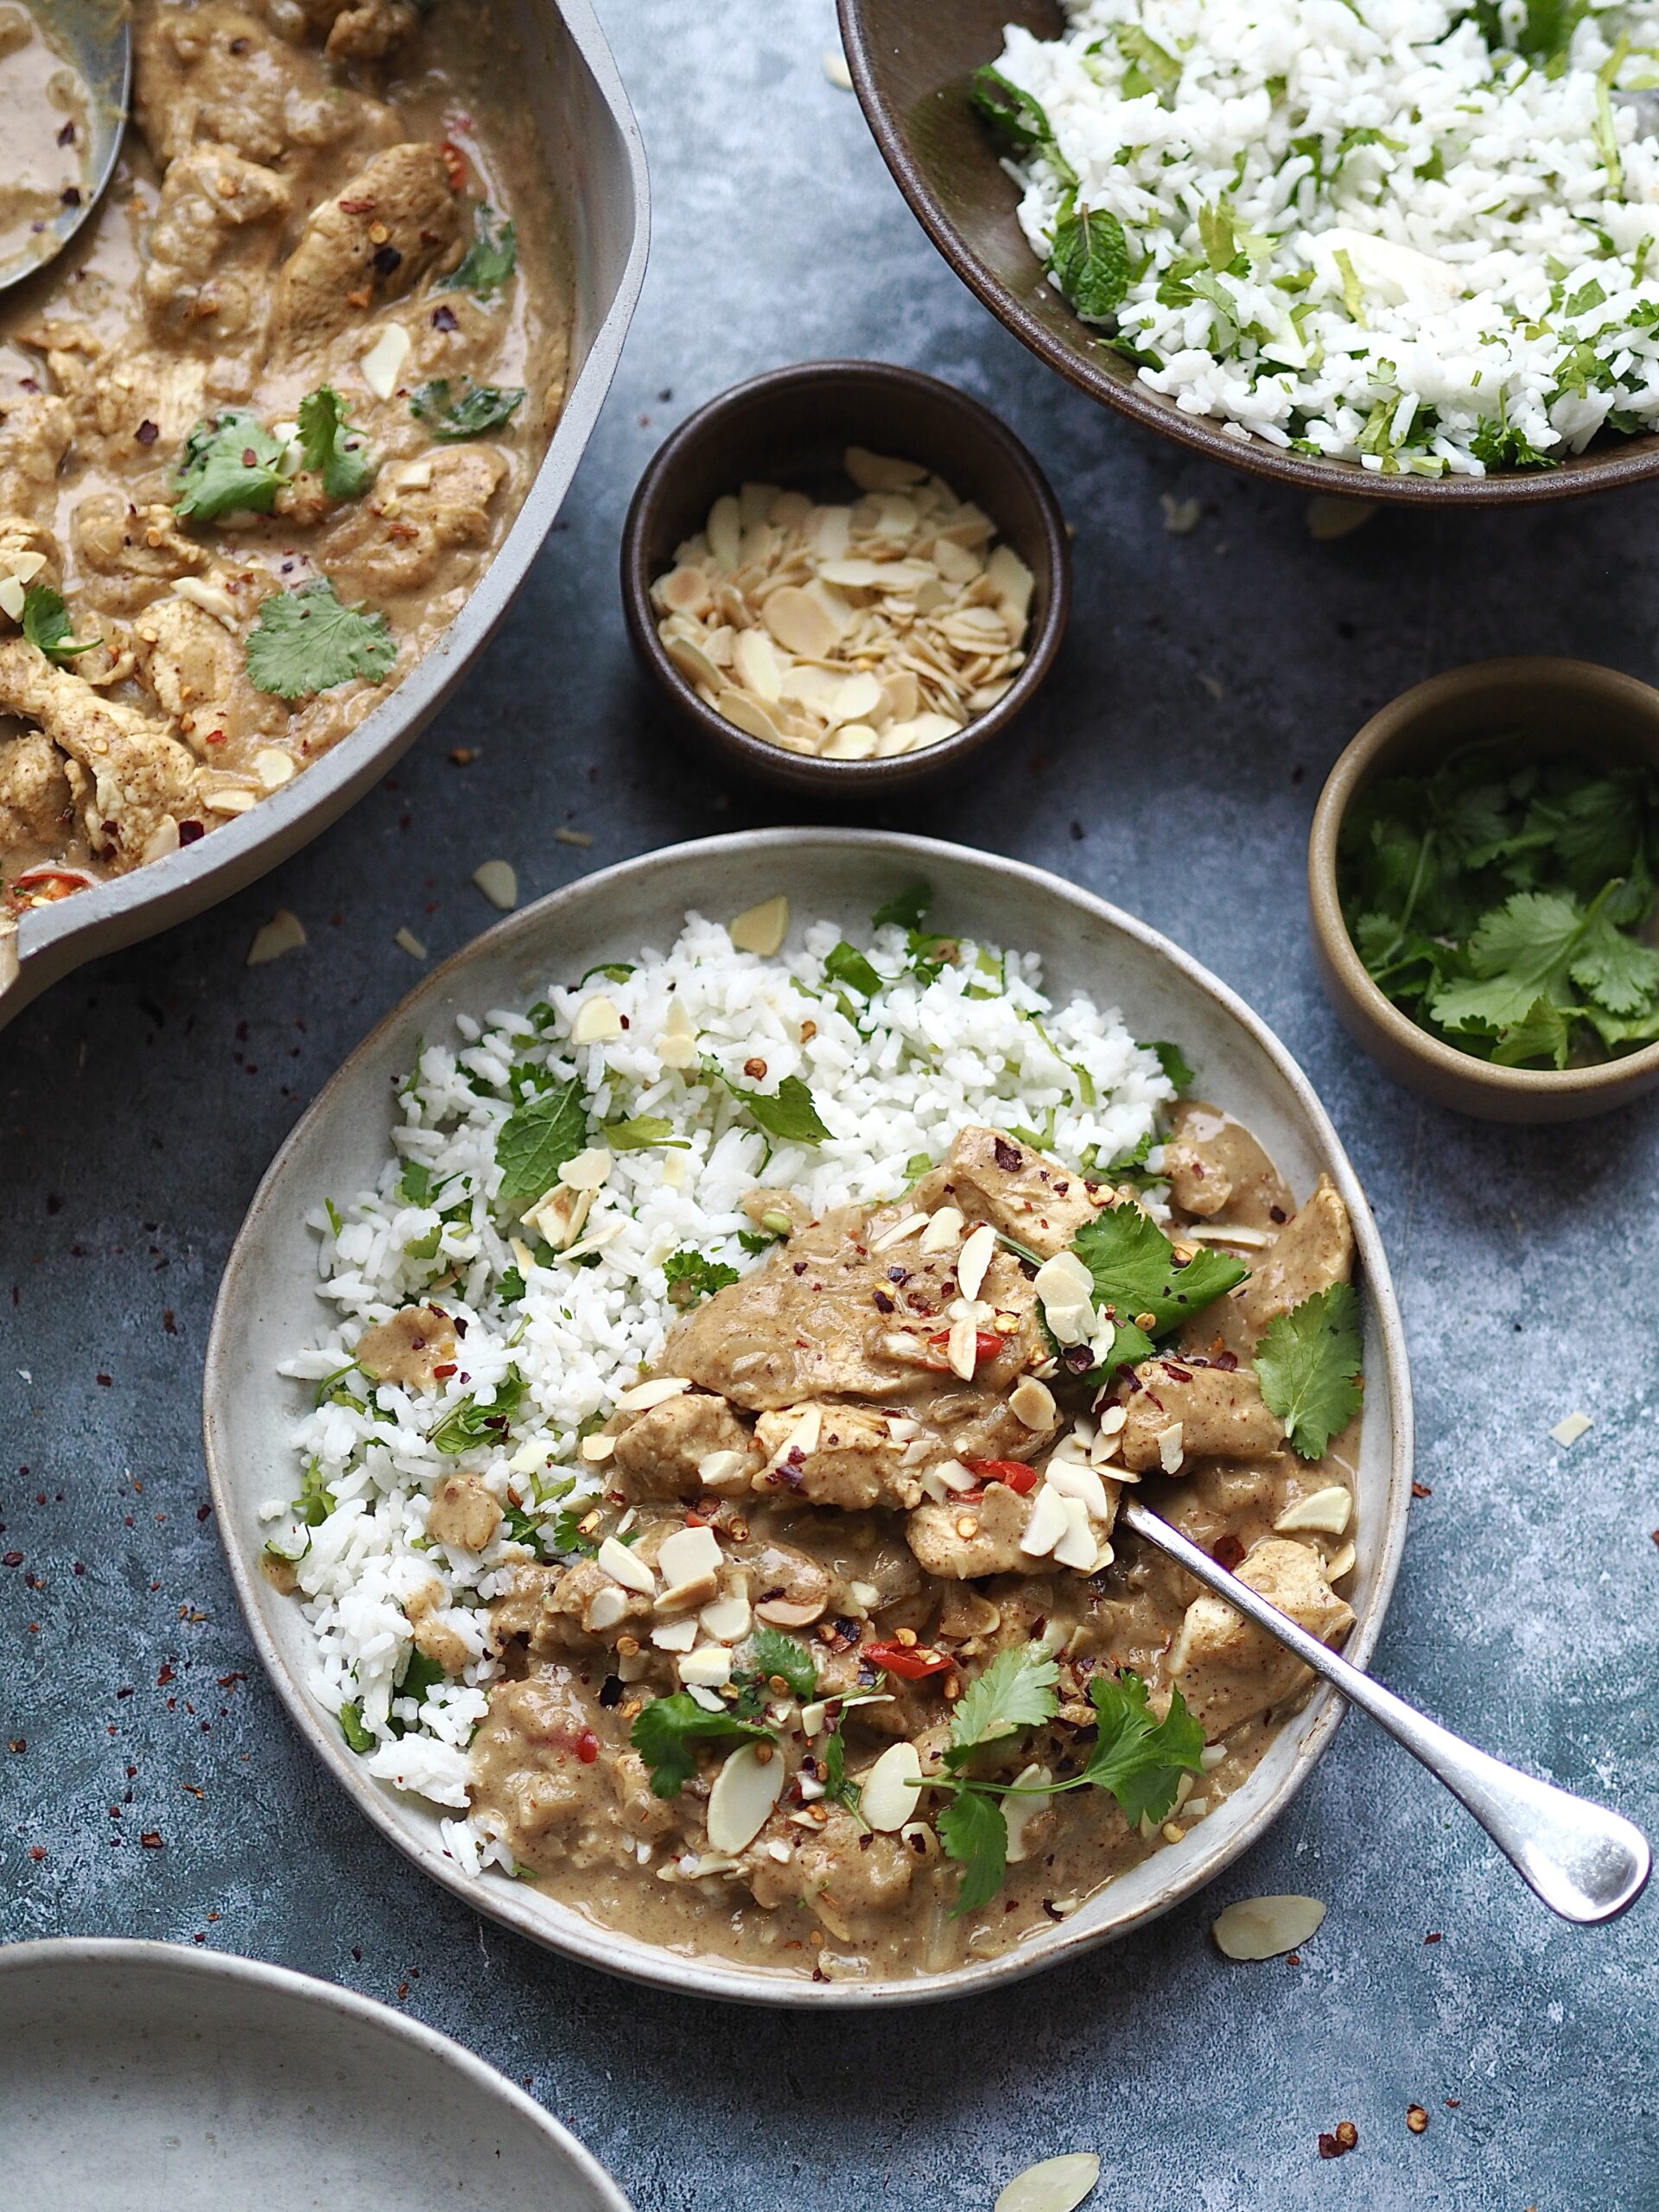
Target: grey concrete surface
1171, 763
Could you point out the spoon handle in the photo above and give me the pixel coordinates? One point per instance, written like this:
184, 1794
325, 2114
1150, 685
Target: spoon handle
1586, 1862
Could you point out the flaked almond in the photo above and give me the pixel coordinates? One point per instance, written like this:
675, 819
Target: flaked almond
974, 1258
498, 881
1266, 1927
745, 1791
1326, 1511
888, 1796
761, 930
597, 1022
284, 932
1053, 2185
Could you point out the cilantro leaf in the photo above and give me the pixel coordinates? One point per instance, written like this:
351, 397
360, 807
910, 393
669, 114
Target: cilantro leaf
1174, 1063
1308, 1364
415, 1183
230, 465
975, 1831
1135, 1270
46, 624
1140, 1760
906, 909
666, 1732
1520, 951
643, 1132
833, 1767
770, 1652
471, 414
1619, 971
472, 1422
1545, 1033
1089, 259
358, 1738
491, 259
307, 641
1016, 1691
534, 1143
846, 964
755, 1241
332, 448
691, 1275
787, 1114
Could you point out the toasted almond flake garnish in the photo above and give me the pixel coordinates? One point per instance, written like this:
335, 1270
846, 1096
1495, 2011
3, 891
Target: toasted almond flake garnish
213, 599
1566, 1432
745, 1791
284, 932
677, 1046
836, 69
565, 836
605, 1608
1032, 1403
761, 930
230, 800
675, 1635
640, 1397
597, 1449
943, 1231
912, 1224
587, 1171
1055, 2185
597, 1022
1170, 1453
382, 363
11, 597
710, 1665
498, 881
1266, 1927
962, 1348
974, 1258
1326, 1511
624, 1567
1047, 1525
273, 767
407, 940
1340, 1563
888, 1797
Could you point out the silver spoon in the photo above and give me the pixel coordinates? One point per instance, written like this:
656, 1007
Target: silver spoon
95, 38
1585, 1863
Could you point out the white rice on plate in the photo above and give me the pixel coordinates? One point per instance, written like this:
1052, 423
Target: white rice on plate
1416, 235
549, 1339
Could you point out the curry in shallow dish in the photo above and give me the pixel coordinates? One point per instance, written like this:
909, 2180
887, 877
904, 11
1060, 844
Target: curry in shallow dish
263, 428
709, 1490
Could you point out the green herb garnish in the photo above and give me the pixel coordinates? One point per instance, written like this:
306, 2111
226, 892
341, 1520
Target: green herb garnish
46, 626
472, 1422
358, 1738
491, 259
691, 1275
230, 465
845, 964
787, 1114
306, 641
642, 1133
1308, 1363
1136, 1272
332, 448
1173, 1062
472, 413
535, 1142
666, 1732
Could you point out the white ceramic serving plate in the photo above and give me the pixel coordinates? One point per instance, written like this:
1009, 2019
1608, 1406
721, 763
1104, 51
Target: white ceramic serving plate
594, 163
268, 1304
145, 2077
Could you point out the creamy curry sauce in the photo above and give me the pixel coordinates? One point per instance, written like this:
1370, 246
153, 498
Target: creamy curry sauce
300, 180
44, 130
843, 1545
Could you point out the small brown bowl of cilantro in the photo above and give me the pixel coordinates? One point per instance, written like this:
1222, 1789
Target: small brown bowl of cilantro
1481, 875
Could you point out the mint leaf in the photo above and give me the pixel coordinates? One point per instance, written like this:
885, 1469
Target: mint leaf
230, 465
667, 1732
974, 1832
1136, 1271
46, 624
332, 448
787, 1114
472, 413
643, 1132
846, 964
691, 1275
491, 259
306, 641
770, 1652
1089, 259
1140, 1760
1011, 108
906, 909
1016, 1691
534, 1143
1308, 1363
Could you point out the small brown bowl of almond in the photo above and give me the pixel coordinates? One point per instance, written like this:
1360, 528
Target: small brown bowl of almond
847, 576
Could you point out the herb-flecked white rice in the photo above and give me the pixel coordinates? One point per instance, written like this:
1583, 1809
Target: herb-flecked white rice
894, 1077
1413, 234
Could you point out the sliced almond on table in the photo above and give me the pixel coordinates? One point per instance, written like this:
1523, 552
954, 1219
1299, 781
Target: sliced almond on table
1054, 2185
284, 932
498, 881
1266, 1927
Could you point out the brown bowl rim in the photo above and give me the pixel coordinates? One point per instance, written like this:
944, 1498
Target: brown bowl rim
1354, 769
803, 772
1616, 469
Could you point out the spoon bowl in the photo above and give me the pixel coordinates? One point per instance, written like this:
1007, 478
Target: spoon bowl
94, 39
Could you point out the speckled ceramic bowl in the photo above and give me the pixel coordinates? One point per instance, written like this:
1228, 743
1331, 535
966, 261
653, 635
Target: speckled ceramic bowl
1548, 706
577, 115
143, 2076
268, 1304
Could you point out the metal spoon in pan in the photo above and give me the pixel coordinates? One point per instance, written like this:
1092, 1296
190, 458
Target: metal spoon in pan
65, 72
1585, 1863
